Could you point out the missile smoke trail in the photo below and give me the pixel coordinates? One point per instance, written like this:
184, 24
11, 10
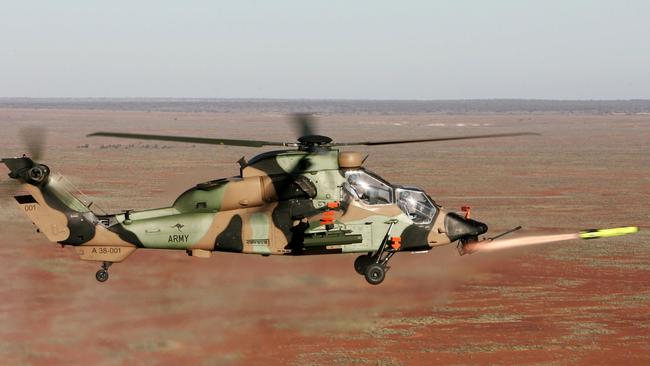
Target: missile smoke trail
527, 241
500, 244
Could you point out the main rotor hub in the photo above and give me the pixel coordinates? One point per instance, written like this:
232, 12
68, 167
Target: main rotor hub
311, 142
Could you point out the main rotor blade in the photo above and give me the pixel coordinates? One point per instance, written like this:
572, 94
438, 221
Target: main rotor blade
304, 124
189, 139
394, 142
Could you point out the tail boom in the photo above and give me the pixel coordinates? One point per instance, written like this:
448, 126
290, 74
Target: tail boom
61, 217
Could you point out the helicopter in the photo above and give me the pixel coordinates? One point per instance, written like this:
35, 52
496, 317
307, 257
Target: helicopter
309, 199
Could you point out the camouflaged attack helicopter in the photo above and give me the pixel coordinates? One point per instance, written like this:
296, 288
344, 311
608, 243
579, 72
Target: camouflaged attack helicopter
313, 199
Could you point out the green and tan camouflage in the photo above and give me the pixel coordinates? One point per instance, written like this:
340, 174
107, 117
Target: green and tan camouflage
311, 200
274, 207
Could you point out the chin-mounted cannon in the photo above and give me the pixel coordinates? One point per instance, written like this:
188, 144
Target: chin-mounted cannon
27, 170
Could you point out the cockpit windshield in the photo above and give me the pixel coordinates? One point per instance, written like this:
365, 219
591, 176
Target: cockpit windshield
416, 205
368, 188
372, 190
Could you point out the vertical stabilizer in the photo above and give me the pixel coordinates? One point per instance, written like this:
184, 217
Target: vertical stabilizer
51, 206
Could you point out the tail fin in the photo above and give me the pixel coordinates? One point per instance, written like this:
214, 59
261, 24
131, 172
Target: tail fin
57, 213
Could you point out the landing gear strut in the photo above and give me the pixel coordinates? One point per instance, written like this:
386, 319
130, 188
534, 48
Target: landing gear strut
374, 267
102, 274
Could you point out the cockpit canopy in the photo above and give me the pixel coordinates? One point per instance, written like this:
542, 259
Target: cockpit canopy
372, 190
416, 205
368, 188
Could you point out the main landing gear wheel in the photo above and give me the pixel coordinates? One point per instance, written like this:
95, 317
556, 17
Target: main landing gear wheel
361, 264
102, 274
375, 274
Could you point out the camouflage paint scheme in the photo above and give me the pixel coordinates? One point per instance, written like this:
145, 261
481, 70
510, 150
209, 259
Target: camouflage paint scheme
274, 206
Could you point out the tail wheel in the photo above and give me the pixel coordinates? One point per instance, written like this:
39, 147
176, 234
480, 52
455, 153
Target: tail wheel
361, 264
101, 275
375, 274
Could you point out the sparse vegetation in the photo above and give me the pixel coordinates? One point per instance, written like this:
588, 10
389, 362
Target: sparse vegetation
566, 303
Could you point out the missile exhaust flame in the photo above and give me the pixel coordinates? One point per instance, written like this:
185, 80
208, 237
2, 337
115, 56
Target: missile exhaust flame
524, 241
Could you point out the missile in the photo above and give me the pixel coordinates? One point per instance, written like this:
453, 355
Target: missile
606, 233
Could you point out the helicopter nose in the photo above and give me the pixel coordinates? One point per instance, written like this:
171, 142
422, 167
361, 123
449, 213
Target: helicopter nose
459, 227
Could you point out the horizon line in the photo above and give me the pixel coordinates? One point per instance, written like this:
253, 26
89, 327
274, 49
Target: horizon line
328, 99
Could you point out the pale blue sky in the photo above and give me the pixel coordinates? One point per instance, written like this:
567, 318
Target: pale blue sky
571, 49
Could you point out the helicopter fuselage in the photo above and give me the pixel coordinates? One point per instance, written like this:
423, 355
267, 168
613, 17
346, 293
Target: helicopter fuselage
282, 203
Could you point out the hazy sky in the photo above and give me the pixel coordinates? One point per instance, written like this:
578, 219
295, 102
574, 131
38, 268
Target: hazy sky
326, 49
